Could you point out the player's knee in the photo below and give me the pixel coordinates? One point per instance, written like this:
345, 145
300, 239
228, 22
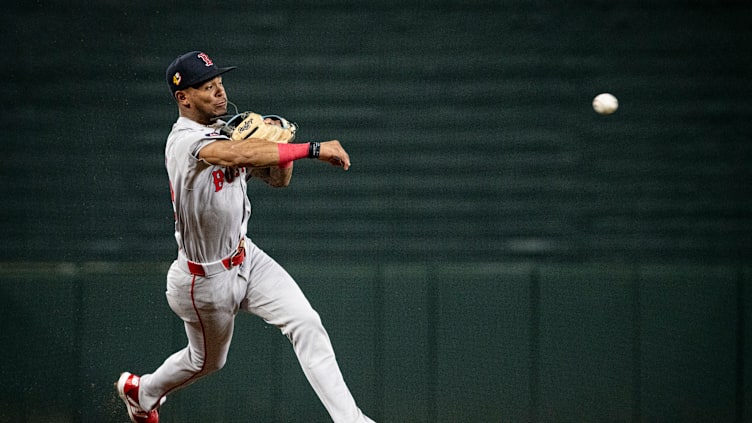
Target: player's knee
214, 365
305, 321
205, 365
210, 366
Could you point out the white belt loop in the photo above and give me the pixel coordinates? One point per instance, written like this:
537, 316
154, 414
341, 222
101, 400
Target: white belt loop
209, 268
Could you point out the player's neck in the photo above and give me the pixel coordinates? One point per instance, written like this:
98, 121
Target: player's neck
199, 118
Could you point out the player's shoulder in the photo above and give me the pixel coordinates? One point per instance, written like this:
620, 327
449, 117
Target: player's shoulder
186, 129
187, 138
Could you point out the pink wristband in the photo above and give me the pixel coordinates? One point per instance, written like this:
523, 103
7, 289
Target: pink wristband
291, 152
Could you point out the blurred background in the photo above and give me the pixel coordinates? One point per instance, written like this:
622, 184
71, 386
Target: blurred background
497, 253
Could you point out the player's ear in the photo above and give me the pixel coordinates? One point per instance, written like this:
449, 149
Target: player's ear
181, 97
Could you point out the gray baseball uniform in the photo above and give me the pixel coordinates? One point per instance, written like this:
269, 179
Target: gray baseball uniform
219, 272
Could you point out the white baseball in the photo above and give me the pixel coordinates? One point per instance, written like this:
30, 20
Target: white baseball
605, 104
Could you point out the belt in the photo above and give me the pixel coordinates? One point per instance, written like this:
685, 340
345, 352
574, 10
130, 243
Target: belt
209, 269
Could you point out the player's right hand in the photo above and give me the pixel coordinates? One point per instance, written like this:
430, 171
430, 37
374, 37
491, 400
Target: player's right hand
332, 152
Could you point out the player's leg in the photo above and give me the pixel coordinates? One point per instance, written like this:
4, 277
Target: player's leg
274, 296
207, 307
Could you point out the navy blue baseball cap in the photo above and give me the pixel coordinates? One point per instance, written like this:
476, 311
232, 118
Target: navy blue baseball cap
191, 69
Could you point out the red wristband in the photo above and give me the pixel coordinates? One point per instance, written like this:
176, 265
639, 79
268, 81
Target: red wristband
291, 152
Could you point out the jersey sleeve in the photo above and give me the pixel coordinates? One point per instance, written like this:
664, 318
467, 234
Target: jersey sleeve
203, 141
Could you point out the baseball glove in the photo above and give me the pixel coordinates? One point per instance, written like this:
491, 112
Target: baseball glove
251, 125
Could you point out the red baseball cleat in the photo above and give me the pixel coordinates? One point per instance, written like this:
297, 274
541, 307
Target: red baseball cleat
127, 387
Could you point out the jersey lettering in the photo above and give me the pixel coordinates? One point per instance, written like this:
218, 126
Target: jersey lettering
219, 180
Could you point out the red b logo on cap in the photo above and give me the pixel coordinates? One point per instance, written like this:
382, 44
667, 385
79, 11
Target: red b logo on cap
207, 61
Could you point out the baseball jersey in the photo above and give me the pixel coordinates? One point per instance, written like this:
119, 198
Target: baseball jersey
210, 202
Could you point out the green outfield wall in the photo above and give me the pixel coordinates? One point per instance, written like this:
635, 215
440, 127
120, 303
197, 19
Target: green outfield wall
488, 342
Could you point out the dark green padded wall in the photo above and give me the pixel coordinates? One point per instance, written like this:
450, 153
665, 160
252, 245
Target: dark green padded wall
469, 126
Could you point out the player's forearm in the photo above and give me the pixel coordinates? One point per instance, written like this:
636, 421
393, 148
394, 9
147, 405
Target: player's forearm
250, 153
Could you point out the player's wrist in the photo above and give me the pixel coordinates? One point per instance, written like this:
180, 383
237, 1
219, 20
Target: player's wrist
314, 149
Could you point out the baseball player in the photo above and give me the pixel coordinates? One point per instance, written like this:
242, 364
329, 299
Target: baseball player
219, 271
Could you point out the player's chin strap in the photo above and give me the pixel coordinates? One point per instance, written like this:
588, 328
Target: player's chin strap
233, 106
231, 120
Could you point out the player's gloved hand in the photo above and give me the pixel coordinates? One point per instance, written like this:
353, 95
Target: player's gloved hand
252, 125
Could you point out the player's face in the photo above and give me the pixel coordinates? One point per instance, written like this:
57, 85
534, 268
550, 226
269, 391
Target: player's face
209, 99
